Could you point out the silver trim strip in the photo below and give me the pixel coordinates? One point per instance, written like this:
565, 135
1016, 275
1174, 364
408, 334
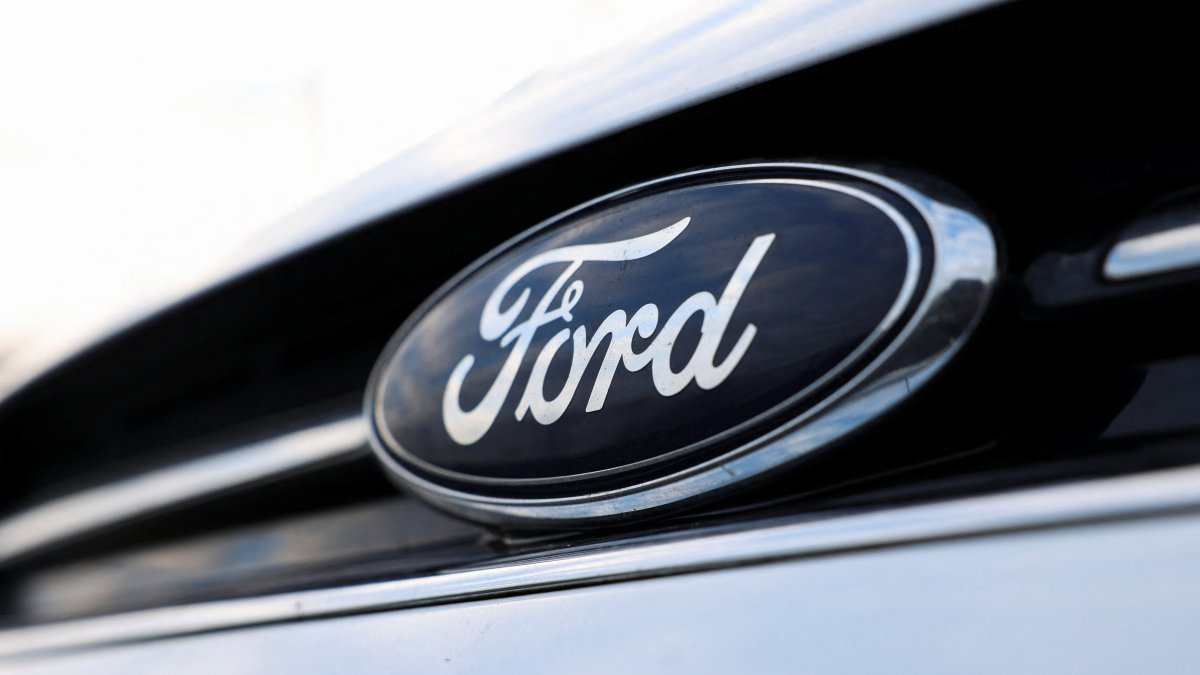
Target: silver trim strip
718, 48
94, 509
1156, 253
1141, 495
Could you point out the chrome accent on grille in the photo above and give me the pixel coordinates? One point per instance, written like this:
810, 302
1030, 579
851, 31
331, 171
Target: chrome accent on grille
1155, 253
59, 520
1170, 491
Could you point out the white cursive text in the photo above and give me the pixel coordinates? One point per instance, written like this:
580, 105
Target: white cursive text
468, 426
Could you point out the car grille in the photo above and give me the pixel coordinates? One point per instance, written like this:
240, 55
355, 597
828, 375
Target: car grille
216, 450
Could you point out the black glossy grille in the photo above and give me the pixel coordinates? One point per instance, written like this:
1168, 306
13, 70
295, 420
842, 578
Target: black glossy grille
1062, 122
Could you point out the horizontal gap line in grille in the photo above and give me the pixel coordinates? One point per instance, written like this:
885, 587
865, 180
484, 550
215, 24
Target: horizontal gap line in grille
99, 508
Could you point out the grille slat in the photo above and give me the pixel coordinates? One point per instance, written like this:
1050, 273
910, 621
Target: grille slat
97, 509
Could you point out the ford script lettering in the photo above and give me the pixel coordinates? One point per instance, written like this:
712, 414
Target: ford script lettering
673, 341
466, 427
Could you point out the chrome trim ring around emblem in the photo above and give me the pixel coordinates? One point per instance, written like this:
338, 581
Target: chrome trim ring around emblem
960, 267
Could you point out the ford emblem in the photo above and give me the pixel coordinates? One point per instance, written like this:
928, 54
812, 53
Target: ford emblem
671, 341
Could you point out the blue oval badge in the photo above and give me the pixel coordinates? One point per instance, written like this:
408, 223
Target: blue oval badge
672, 340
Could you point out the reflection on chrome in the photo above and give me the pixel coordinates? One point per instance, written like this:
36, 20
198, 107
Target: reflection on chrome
111, 504
1142, 256
1144, 495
